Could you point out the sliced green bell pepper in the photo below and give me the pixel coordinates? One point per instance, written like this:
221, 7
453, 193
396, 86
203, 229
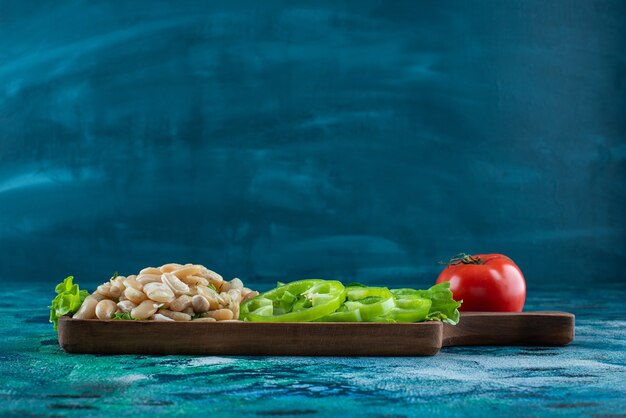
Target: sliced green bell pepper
342, 316
371, 302
409, 308
328, 301
301, 301
362, 304
442, 308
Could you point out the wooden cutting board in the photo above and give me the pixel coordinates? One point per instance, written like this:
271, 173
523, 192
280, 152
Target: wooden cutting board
314, 338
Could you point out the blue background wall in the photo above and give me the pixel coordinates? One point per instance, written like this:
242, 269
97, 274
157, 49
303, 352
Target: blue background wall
361, 140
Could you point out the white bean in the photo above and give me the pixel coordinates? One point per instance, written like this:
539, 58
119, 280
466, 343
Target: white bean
144, 310
105, 309
250, 295
210, 295
174, 283
159, 317
185, 271
200, 304
131, 281
134, 295
170, 267
159, 292
126, 306
88, 309
115, 291
176, 316
224, 299
235, 295
144, 279
207, 292
236, 284
224, 287
181, 303
217, 285
151, 270
105, 290
234, 306
195, 280
220, 314
211, 275
180, 291
119, 282
97, 296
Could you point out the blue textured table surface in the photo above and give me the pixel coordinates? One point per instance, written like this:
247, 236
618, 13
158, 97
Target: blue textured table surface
586, 378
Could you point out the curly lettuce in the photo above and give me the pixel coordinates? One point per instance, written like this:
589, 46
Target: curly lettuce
444, 308
67, 301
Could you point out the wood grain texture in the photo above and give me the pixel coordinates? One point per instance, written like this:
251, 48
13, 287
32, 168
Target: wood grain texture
504, 328
314, 339
246, 338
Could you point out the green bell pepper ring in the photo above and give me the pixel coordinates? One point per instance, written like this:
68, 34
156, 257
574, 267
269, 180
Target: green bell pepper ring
342, 316
371, 302
300, 301
362, 304
443, 307
407, 310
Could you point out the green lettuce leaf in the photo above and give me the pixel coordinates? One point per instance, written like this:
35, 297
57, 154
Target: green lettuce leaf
67, 301
122, 315
444, 308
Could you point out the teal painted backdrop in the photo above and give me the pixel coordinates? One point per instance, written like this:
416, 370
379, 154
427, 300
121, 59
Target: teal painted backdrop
278, 140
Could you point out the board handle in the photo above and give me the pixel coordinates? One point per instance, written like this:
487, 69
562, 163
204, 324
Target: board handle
509, 328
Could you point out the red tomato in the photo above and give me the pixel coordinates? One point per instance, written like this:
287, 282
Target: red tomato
485, 282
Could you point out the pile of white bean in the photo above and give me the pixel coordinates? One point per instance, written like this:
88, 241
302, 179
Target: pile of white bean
172, 292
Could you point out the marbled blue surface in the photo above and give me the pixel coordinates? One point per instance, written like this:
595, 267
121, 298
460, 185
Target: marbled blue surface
273, 140
586, 378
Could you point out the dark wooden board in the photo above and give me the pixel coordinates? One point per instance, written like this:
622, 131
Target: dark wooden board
313, 338
250, 338
549, 328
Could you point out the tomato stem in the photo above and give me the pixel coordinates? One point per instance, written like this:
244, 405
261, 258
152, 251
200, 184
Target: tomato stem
463, 258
